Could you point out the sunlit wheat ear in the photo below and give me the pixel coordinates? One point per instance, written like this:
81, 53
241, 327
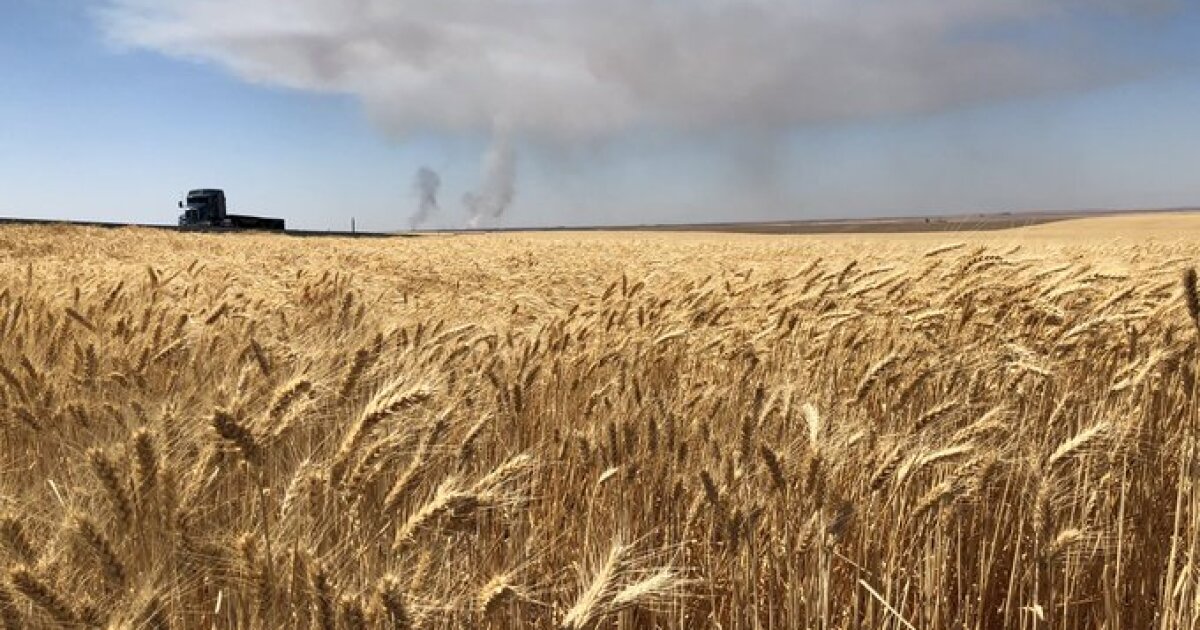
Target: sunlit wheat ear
450, 508
411, 475
932, 415
362, 361
944, 249
887, 467
384, 405
942, 455
497, 594
873, 375
511, 470
423, 574
994, 422
1041, 510
1064, 543
1078, 444
287, 397
658, 590
372, 461
599, 589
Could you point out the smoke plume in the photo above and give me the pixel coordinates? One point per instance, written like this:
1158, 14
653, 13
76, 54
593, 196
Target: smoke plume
566, 70
426, 184
498, 187
570, 74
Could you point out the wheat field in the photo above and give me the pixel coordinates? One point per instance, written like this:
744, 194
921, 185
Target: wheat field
600, 431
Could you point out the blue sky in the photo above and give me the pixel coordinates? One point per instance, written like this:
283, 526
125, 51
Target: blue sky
105, 122
91, 132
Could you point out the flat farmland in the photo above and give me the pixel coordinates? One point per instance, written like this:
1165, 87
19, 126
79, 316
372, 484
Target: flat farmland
601, 430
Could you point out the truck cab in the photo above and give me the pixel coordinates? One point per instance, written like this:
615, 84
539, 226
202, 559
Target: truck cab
205, 207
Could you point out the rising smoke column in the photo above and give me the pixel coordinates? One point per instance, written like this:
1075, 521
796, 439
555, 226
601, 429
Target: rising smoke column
426, 183
499, 185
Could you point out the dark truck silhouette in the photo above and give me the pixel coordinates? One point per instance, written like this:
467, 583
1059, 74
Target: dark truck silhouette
206, 208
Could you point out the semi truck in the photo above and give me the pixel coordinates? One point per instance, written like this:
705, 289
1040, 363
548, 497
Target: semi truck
205, 207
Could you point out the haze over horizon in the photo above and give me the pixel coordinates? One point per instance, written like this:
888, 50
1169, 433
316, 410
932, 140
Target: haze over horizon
578, 112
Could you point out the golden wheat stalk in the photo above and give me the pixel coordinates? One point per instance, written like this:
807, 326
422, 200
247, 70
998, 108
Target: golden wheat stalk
599, 591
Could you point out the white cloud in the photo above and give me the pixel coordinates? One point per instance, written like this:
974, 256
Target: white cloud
562, 70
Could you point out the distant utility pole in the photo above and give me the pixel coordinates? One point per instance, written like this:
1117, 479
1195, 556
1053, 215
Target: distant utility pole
352, 225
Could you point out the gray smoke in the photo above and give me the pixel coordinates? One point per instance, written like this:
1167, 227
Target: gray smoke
571, 70
498, 187
426, 184
569, 74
